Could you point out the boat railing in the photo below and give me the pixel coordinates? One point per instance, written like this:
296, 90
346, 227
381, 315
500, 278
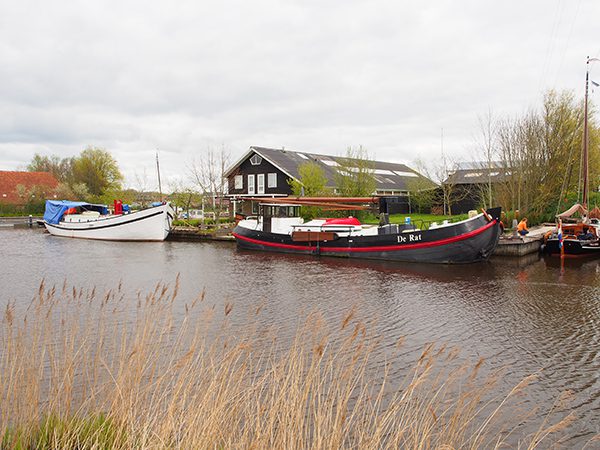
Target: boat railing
426, 224
328, 227
423, 224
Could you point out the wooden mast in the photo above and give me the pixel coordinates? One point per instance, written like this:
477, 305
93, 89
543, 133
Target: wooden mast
584, 155
158, 173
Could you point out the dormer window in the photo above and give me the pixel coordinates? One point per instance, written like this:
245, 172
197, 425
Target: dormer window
255, 160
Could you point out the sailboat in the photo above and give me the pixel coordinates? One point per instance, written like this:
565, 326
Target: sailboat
93, 221
583, 237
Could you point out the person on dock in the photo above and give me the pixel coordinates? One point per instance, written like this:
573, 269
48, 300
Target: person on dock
522, 227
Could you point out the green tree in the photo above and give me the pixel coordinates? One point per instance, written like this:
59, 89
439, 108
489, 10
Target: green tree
98, 170
64, 192
312, 181
60, 168
77, 191
422, 190
355, 175
80, 191
540, 153
185, 197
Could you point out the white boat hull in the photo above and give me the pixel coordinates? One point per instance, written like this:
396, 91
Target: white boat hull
152, 224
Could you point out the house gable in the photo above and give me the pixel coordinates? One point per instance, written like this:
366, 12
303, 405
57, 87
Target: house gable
251, 169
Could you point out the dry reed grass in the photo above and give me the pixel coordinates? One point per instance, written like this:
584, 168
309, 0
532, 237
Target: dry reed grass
81, 370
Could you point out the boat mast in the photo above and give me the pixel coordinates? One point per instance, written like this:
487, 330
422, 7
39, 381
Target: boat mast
584, 155
158, 172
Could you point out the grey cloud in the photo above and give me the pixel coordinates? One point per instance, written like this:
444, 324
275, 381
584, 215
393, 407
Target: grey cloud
319, 76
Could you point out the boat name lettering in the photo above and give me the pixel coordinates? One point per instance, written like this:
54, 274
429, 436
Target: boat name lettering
409, 238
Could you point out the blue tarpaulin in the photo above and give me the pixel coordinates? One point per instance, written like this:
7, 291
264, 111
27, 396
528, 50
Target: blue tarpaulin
55, 209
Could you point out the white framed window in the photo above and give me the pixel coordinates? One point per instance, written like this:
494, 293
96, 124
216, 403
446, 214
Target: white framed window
260, 181
255, 160
239, 182
251, 184
272, 180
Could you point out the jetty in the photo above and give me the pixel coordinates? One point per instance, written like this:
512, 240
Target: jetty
19, 221
514, 245
183, 233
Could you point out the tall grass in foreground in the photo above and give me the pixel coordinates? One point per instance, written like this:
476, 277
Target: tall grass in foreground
82, 370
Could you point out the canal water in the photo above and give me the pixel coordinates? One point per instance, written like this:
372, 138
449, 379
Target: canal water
523, 316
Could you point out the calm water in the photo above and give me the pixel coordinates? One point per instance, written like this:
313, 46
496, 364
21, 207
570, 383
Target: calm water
523, 315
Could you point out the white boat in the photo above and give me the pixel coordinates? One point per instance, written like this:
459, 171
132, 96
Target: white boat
90, 221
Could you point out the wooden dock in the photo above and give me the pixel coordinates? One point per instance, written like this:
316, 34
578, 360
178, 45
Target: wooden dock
196, 234
515, 245
19, 222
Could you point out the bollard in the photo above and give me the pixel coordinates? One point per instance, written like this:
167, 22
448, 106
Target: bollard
30, 221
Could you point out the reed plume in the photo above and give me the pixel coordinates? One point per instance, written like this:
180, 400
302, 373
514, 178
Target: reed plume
87, 370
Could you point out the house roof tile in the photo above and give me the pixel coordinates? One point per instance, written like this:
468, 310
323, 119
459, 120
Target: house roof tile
9, 180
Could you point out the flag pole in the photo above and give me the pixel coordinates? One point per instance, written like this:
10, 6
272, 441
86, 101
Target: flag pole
561, 243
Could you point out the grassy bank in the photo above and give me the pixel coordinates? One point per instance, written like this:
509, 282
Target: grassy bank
80, 369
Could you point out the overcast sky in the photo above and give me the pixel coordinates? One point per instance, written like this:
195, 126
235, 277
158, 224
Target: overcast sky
316, 76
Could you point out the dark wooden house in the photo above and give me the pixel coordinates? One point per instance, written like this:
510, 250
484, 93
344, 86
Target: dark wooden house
470, 184
266, 172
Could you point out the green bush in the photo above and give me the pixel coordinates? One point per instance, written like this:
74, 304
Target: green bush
186, 222
34, 208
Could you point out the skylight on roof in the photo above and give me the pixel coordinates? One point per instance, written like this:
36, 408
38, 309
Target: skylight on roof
405, 174
302, 155
384, 172
473, 174
329, 162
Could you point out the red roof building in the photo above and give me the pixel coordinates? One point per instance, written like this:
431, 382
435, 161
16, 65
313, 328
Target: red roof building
10, 193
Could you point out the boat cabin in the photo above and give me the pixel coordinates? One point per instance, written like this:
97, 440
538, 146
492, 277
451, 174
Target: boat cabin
274, 218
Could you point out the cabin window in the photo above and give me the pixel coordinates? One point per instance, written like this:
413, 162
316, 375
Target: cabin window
251, 184
260, 181
272, 180
239, 182
255, 160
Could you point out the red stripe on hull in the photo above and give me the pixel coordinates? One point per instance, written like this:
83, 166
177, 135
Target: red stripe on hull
381, 248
